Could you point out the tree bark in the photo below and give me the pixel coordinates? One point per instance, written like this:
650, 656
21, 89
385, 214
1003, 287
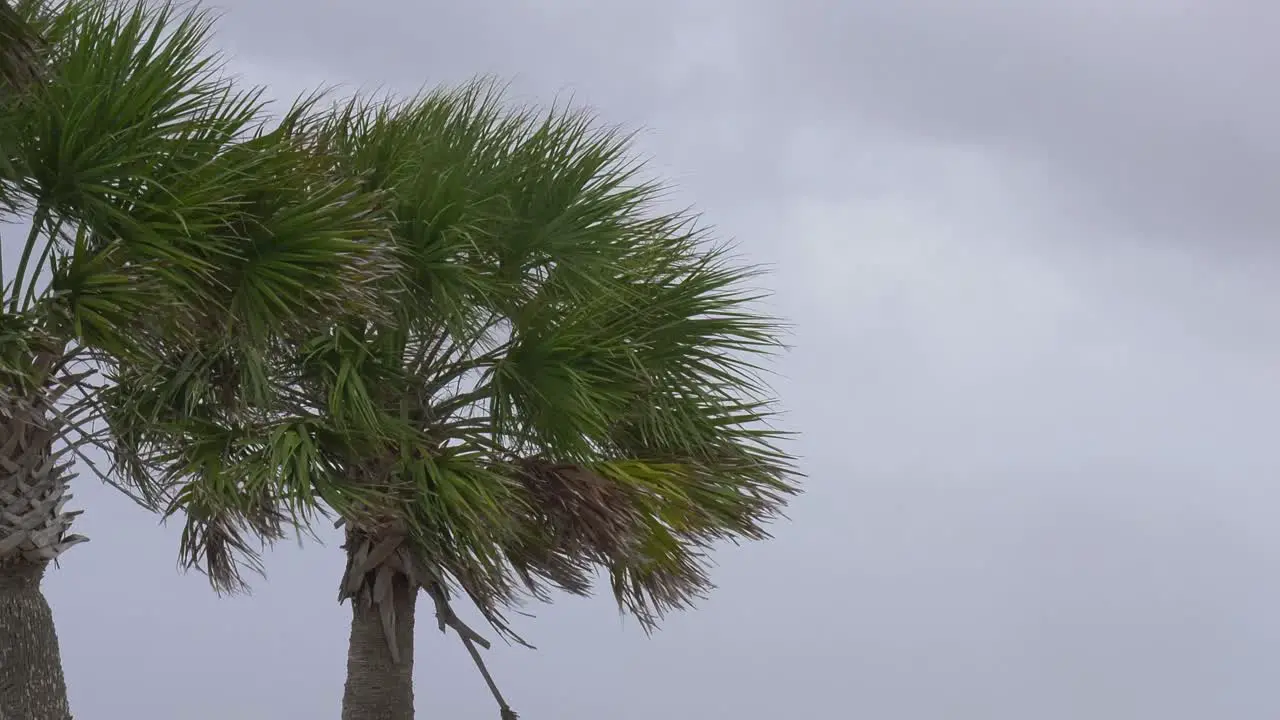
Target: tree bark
378, 687
32, 686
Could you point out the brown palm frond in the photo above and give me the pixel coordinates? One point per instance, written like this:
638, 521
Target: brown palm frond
650, 524
575, 521
222, 544
579, 510
571, 522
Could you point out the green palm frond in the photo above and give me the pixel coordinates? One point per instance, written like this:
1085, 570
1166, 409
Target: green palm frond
160, 186
21, 339
182, 243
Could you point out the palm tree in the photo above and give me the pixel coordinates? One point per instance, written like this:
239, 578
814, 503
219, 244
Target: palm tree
566, 381
164, 217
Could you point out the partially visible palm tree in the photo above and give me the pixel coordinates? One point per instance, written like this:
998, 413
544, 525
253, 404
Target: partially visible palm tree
566, 382
165, 217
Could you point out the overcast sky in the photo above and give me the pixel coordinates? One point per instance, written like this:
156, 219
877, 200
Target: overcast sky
1029, 249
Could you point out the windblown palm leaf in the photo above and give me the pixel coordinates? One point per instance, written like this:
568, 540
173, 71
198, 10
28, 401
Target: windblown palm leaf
566, 381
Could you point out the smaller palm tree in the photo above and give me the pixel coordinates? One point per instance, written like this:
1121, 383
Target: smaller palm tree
164, 216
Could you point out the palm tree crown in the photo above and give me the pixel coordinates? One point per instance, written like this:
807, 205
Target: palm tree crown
564, 379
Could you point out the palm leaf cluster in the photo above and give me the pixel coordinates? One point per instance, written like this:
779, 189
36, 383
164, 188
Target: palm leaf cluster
164, 211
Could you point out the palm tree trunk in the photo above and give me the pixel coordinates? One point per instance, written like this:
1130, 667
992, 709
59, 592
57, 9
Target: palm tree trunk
380, 654
34, 529
31, 683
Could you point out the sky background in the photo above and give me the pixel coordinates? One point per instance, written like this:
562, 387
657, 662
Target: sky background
1028, 249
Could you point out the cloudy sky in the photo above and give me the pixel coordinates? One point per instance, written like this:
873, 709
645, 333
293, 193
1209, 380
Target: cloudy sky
1029, 250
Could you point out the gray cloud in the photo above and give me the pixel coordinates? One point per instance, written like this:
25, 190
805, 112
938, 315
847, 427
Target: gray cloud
1154, 114
1034, 373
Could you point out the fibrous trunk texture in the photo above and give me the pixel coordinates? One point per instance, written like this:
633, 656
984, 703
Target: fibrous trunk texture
380, 655
33, 532
31, 682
